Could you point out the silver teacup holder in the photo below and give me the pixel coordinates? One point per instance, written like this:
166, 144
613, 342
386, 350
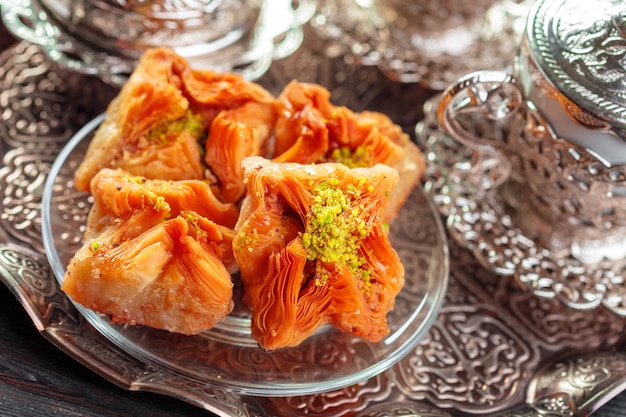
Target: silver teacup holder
562, 157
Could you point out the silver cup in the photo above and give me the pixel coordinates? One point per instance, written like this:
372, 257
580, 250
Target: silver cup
562, 112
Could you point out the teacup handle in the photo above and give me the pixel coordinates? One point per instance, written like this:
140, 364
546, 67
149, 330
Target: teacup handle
492, 95
28, 22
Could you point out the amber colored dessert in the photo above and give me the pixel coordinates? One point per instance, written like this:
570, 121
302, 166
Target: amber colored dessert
313, 249
235, 134
197, 174
310, 129
159, 124
154, 254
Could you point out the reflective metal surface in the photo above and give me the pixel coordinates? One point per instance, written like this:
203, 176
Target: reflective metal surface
567, 198
553, 124
496, 219
579, 46
430, 42
126, 28
496, 349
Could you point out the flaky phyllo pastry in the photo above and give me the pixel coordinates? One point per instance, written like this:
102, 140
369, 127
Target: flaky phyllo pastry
313, 249
157, 125
198, 175
154, 254
310, 129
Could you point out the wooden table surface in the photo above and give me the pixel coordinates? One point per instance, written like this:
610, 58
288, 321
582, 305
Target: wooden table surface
37, 379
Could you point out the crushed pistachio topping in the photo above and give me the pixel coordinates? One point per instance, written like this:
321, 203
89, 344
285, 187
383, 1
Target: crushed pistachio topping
246, 241
192, 219
190, 122
158, 202
136, 179
360, 157
95, 246
321, 276
334, 229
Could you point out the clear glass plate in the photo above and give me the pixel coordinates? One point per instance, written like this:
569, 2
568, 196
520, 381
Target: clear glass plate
226, 356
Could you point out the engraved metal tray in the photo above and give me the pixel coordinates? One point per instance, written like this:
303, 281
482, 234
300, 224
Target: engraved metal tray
276, 32
495, 349
427, 42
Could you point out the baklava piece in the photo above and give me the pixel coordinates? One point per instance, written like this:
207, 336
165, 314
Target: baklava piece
313, 249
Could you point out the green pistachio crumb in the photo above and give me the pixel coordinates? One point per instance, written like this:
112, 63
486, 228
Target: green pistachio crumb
190, 122
246, 241
359, 157
334, 229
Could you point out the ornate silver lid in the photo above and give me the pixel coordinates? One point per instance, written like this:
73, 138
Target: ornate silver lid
580, 47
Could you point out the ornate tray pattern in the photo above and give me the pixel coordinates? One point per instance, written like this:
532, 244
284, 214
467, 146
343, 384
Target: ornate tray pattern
274, 32
495, 349
428, 42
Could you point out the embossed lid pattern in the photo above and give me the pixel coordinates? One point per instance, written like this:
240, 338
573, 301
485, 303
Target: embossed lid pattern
580, 46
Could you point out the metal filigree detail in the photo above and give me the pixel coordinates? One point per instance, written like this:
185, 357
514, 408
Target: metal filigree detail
352, 85
35, 273
469, 360
28, 276
248, 48
549, 324
557, 328
127, 29
503, 233
477, 301
574, 196
556, 406
42, 106
352, 399
572, 381
403, 409
571, 201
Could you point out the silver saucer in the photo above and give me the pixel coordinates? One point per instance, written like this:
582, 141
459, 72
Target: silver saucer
493, 229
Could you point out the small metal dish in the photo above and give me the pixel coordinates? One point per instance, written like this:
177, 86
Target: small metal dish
105, 37
126, 28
